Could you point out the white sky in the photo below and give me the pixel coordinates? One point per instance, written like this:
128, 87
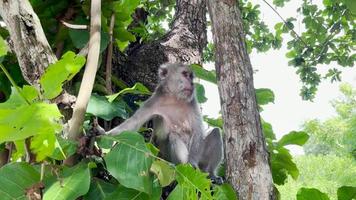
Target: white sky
289, 111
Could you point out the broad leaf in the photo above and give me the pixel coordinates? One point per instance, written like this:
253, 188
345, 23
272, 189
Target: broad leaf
294, 137
63, 148
264, 96
71, 184
99, 106
164, 172
224, 192
191, 182
268, 131
28, 120
346, 193
15, 179
282, 164
214, 122
311, 194
100, 190
43, 145
200, 92
130, 161
56, 74
138, 88
204, 74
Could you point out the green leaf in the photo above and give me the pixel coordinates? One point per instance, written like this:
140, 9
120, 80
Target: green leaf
268, 131
138, 88
130, 161
100, 190
218, 122
294, 137
80, 38
56, 74
99, 106
282, 164
200, 92
29, 120
43, 145
15, 179
71, 184
351, 5
224, 192
3, 49
191, 182
311, 194
264, 96
63, 148
346, 193
204, 74
163, 171
122, 192
124, 35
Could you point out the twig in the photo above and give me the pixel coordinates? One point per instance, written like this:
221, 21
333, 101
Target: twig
285, 22
74, 26
86, 86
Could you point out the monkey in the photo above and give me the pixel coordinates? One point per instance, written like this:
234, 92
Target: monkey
177, 122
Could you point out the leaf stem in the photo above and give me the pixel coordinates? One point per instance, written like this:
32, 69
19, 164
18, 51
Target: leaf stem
7, 74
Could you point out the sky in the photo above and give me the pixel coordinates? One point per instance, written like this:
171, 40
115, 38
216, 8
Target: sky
289, 111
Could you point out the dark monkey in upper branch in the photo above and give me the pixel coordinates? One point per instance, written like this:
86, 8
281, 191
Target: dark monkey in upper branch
177, 122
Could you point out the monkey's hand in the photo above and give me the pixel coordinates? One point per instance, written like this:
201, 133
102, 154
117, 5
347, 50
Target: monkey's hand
216, 180
97, 128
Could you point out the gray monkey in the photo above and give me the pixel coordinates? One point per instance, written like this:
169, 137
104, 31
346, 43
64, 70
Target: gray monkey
177, 122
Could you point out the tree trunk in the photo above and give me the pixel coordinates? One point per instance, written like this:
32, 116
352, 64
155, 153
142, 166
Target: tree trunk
28, 39
183, 43
247, 158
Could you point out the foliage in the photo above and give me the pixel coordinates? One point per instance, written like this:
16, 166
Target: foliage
337, 134
325, 173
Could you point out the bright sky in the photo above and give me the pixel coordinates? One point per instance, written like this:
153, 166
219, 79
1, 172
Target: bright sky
289, 111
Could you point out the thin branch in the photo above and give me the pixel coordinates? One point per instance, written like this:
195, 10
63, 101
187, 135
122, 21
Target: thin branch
86, 87
74, 26
109, 56
285, 22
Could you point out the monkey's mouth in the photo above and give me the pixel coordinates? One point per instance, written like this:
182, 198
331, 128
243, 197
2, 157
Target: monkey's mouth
188, 91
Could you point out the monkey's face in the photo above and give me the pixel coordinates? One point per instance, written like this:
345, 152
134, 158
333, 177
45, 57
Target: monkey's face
178, 80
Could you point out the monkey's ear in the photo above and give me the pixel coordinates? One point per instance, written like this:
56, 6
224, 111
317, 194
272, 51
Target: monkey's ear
162, 72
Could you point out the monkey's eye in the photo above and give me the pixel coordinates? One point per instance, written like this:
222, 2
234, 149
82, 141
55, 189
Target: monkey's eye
185, 74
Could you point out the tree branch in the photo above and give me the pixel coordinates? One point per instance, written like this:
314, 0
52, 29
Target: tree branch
29, 41
86, 87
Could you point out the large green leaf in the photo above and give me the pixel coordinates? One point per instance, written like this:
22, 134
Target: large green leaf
264, 96
80, 38
224, 192
99, 106
56, 74
138, 88
200, 92
15, 179
164, 172
294, 137
122, 192
191, 182
28, 120
43, 145
267, 130
204, 74
100, 190
346, 193
71, 183
218, 122
282, 164
311, 194
130, 161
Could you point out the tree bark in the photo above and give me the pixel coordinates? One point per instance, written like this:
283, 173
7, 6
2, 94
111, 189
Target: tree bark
29, 41
183, 43
247, 158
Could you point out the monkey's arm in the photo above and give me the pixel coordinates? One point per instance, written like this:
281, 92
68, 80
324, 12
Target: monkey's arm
142, 115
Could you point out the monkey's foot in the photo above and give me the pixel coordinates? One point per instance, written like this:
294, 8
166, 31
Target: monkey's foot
217, 180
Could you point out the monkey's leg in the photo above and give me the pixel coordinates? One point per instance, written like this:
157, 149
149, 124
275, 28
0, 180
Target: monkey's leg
212, 154
178, 150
